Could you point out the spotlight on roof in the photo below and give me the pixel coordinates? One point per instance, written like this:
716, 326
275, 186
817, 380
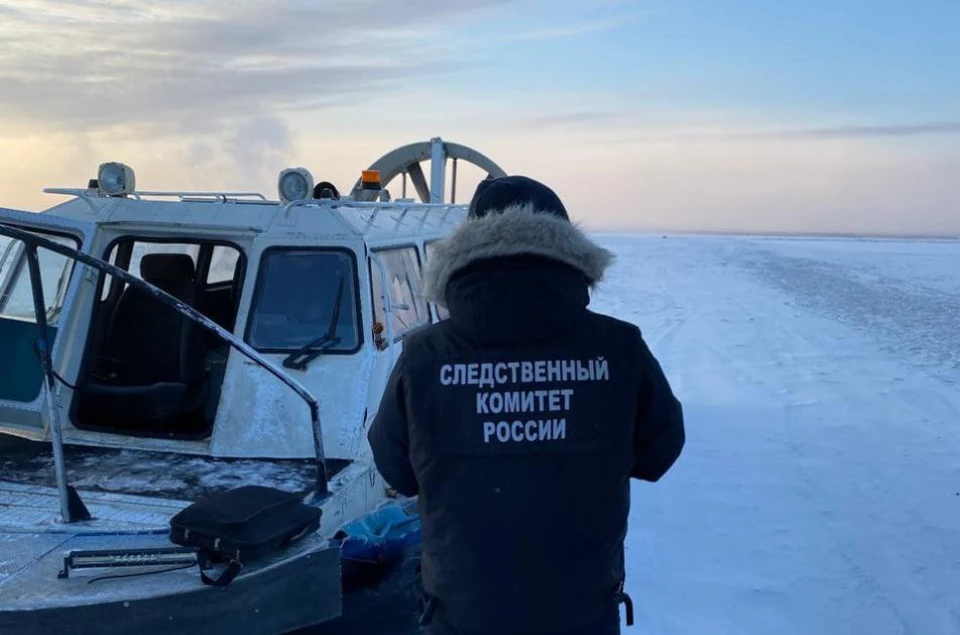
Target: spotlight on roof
116, 179
295, 184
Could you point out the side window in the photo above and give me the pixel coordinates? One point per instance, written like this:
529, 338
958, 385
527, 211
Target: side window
296, 300
141, 249
109, 280
135, 250
403, 284
9, 248
21, 374
176, 275
442, 312
223, 264
16, 294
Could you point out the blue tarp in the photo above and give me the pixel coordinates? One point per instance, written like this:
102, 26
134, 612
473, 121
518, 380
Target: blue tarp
381, 536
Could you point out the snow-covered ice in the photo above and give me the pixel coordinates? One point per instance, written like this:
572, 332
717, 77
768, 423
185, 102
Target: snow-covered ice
819, 492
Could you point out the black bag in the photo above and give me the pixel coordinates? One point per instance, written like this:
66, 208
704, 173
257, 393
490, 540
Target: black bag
242, 524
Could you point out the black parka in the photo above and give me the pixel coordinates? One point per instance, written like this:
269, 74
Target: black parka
519, 422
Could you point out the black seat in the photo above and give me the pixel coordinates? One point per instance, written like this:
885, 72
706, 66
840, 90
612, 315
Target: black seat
152, 376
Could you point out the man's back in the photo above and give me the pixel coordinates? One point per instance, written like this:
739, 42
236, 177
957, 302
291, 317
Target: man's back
517, 421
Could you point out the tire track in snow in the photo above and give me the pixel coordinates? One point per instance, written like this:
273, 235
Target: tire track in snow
916, 322
788, 275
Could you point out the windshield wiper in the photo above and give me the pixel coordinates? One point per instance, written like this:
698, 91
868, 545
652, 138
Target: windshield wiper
311, 350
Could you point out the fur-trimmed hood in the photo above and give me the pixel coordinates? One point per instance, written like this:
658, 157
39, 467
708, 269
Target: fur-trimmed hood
516, 231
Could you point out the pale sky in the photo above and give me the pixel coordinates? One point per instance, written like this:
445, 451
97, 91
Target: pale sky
756, 115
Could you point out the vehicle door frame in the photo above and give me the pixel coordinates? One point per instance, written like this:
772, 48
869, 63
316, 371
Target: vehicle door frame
27, 419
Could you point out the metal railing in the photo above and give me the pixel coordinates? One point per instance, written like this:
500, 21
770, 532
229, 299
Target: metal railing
223, 197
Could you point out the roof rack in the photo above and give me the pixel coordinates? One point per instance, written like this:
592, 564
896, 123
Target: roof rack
197, 197
348, 204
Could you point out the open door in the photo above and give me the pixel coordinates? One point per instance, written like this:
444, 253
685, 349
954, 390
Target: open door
21, 374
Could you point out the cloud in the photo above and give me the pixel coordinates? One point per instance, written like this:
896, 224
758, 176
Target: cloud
182, 66
585, 117
630, 128
259, 146
576, 29
934, 128
863, 132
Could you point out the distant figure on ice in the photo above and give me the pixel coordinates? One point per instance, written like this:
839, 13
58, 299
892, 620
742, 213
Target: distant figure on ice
519, 421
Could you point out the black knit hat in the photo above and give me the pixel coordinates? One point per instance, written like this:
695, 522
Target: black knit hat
507, 191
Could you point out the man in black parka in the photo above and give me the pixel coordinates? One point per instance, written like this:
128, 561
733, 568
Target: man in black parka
519, 422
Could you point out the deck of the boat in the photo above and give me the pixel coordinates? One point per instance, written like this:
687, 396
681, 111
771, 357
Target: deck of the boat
304, 578
165, 475
127, 490
131, 495
27, 508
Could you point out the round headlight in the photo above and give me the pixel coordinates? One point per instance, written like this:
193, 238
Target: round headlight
295, 184
116, 179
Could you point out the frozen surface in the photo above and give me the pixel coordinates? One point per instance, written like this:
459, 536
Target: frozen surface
820, 488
